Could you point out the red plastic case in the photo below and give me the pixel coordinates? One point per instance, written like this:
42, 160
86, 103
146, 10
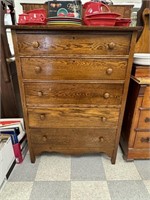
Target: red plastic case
33, 17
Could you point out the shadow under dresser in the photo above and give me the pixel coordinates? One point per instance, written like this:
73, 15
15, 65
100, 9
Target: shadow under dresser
73, 82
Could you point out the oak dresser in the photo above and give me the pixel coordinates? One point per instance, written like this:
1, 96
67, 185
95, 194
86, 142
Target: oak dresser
73, 82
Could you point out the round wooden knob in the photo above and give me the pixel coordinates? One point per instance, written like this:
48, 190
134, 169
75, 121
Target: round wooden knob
44, 138
109, 71
42, 116
103, 119
40, 93
101, 139
37, 69
111, 45
35, 44
106, 95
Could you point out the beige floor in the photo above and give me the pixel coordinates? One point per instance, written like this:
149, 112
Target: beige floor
87, 177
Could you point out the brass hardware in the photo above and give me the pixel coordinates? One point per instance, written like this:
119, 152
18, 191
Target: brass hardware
109, 71
40, 94
37, 69
147, 140
106, 95
111, 45
35, 44
147, 119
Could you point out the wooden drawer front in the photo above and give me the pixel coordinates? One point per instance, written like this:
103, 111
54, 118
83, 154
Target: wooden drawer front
141, 71
73, 138
73, 69
144, 120
61, 43
73, 93
142, 140
66, 117
146, 98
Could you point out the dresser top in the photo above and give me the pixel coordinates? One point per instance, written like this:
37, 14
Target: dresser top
75, 28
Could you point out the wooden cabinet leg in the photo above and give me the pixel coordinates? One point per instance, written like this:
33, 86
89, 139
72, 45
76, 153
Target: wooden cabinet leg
113, 160
32, 157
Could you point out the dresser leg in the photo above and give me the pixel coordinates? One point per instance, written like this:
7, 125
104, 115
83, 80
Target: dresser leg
32, 157
113, 157
113, 160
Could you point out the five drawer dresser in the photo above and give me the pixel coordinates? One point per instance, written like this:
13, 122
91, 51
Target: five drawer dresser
73, 83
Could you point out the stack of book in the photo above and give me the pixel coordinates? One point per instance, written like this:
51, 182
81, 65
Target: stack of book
15, 128
7, 158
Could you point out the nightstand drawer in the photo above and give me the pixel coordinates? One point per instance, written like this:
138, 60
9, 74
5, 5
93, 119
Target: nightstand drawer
75, 138
142, 140
67, 117
140, 71
144, 120
73, 93
73, 69
146, 98
74, 43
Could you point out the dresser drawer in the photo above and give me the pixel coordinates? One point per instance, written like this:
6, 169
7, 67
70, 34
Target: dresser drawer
73, 93
142, 140
74, 43
74, 138
146, 98
144, 120
73, 69
66, 117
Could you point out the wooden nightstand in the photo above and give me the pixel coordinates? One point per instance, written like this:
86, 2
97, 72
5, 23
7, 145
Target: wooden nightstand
135, 137
135, 134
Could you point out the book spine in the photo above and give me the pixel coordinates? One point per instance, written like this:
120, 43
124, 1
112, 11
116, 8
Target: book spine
24, 150
17, 153
23, 143
12, 133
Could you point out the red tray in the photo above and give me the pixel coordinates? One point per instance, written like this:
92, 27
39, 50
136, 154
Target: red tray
104, 15
100, 21
123, 22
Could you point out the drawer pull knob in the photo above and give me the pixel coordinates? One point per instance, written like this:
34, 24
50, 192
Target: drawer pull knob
37, 69
147, 119
40, 94
44, 138
35, 44
147, 140
106, 95
42, 116
109, 71
101, 139
111, 45
103, 119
